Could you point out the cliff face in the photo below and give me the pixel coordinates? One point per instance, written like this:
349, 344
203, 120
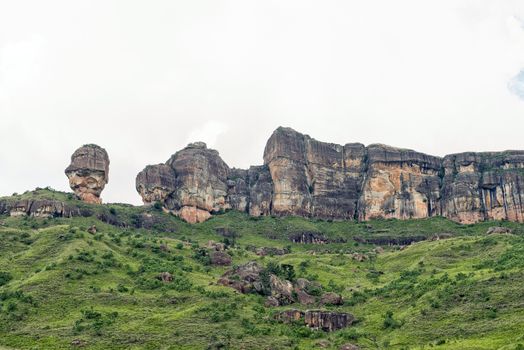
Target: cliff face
305, 177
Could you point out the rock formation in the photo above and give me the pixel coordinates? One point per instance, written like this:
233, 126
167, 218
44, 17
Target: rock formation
88, 172
305, 177
40, 208
317, 319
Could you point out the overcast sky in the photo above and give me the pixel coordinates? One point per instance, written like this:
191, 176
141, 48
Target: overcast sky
144, 78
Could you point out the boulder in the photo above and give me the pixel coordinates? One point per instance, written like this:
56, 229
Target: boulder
331, 299
271, 302
220, 258
349, 346
498, 230
88, 172
165, 277
217, 246
244, 278
304, 298
281, 289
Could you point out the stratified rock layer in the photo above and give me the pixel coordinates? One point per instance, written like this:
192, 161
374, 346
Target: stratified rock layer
88, 172
305, 177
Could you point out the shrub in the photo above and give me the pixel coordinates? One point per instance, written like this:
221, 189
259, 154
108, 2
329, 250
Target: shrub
5, 277
389, 321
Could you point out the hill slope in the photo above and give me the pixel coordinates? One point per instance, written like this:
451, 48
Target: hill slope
62, 287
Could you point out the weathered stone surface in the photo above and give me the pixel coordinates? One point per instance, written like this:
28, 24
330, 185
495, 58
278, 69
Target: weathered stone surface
317, 319
219, 258
349, 346
308, 238
327, 321
312, 178
41, 208
155, 183
498, 230
305, 177
282, 290
285, 155
165, 277
201, 183
244, 278
288, 316
399, 184
331, 298
88, 172
260, 190
304, 298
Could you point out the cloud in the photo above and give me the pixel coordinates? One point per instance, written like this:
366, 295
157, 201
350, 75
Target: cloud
208, 133
516, 85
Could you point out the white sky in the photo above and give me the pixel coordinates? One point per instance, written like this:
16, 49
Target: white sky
144, 78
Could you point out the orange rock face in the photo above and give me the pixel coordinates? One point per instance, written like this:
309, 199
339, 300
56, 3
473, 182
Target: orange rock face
193, 215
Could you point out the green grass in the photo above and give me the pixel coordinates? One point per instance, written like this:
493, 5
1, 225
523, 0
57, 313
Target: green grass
61, 284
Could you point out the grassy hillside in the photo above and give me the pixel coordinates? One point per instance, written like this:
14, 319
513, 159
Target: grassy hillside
62, 287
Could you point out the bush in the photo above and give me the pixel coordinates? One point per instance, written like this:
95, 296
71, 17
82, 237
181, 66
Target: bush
5, 277
390, 322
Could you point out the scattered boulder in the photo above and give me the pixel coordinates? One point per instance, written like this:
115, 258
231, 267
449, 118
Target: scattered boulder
220, 258
281, 289
331, 299
263, 251
78, 342
304, 298
165, 277
349, 346
439, 236
379, 250
244, 278
217, 246
498, 230
390, 240
308, 238
88, 172
92, 229
164, 248
226, 232
271, 302
302, 283
359, 257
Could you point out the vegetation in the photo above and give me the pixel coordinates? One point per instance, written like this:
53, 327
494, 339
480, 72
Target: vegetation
62, 287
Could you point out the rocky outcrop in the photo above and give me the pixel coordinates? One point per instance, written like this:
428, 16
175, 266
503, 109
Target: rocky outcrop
88, 172
40, 208
317, 319
195, 183
305, 177
155, 183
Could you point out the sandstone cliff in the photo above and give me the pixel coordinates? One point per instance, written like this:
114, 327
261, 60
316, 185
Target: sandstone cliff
305, 177
88, 172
